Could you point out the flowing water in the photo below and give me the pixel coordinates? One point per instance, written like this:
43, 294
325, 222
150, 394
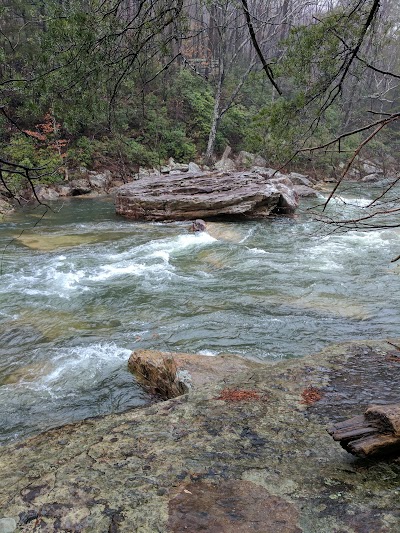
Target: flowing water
84, 287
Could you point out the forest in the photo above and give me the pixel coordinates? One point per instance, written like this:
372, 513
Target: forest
126, 83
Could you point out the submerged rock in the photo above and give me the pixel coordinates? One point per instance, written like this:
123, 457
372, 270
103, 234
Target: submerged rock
188, 196
49, 243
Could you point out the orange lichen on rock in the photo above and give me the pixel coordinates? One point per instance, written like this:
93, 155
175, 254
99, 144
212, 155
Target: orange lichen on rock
239, 395
311, 395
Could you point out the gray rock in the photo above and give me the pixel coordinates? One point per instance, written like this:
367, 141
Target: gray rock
301, 179
46, 193
63, 190
371, 178
145, 172
247, 448
260, 161
193, 168
165, 170
305, 192
247, 159
189, 196
266, 172
100, 180
183, 167
80, 187
225, 165
7, 525
370, 168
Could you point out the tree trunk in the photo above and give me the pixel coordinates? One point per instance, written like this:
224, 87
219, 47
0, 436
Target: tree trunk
215, 120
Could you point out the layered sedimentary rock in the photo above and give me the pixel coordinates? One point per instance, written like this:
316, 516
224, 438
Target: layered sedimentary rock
186, 196
245, 451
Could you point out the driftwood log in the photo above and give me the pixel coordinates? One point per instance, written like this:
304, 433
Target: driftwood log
376, 432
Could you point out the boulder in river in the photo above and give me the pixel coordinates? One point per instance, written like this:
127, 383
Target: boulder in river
187, 196
168, 375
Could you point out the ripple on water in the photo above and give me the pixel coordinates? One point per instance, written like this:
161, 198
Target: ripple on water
266, 289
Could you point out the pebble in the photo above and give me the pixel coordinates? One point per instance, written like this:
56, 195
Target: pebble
7, 525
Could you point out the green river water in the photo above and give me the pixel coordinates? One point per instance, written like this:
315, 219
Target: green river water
83, 288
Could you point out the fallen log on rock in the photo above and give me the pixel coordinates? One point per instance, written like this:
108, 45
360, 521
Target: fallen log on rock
376, 432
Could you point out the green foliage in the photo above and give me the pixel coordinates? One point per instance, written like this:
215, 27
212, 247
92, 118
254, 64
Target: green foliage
190, 102
25, 151
233, 129
130, 151
176, 144
85, 152
93, 75
82, 152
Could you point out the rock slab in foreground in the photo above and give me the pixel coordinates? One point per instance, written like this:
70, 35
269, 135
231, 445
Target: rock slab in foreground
187, 196
248, 452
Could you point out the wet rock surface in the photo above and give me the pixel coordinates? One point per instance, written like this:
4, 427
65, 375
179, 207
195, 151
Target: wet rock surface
187, 196
169, 375
248, 452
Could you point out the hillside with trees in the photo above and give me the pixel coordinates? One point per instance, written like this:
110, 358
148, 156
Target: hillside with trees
127, 83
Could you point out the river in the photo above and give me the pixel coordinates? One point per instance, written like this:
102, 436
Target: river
81, 288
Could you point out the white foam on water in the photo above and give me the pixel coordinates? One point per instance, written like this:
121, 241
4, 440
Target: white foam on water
132, 269
139, 261
79, 367
208, 353
257, 251
334, 250
351, 241
161, 247
184, 241
65, 280
61, 279
350, 201
249, 234
162, 254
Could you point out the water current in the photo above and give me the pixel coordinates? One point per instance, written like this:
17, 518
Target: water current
83, 288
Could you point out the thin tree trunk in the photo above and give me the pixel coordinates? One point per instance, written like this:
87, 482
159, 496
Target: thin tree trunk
215, 120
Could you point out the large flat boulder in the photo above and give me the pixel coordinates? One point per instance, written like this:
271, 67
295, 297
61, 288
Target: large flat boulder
247, 451
187, 196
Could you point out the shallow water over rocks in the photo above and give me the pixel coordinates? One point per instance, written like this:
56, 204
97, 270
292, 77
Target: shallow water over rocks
84, 287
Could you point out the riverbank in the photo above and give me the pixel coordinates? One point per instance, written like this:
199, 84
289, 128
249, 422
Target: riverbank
258, 459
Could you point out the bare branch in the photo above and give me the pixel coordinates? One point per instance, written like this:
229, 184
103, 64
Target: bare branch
266, 67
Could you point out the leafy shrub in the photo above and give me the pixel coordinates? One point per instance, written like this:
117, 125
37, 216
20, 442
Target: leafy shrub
31, 153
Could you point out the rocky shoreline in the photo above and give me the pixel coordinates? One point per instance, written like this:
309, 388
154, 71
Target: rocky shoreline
244, 450
89, 183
